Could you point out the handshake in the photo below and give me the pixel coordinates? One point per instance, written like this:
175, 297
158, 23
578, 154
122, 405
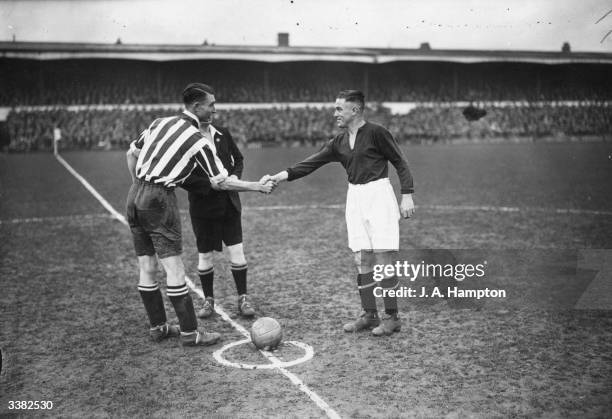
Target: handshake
269, 183
231, 183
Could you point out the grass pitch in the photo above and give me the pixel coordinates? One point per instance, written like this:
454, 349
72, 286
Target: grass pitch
73, 329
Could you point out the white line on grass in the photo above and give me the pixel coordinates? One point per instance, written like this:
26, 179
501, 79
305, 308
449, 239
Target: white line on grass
331, 413
485, 208
56, 218
482, 208
492, 208
90, 188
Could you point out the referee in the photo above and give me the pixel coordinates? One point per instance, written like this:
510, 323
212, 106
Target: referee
216, 218
172, 152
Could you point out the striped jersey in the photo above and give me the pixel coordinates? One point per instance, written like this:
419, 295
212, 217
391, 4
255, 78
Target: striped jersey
172, 149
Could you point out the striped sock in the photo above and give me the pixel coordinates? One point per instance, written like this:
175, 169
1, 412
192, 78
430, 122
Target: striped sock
154, 304
183, 306
206, 278
239, 272
365, 284
390, 302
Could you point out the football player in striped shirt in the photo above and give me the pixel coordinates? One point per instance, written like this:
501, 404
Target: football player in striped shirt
172, 152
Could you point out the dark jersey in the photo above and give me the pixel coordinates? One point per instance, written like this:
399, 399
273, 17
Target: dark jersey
215, 204
367, 161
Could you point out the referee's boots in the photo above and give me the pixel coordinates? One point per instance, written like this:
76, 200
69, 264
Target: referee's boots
159, 333
389, 325
367, 320
208, 309
198, 338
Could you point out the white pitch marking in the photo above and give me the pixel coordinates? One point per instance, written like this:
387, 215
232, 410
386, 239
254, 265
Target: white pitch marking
329, 411
486, 208
91, 189
491, 208
273, 359
308, 354
57, 218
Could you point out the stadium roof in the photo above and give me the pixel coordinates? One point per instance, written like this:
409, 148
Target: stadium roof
62, 51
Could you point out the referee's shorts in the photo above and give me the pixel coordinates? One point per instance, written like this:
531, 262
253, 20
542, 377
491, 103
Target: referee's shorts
154, 219
211, 233
372, 216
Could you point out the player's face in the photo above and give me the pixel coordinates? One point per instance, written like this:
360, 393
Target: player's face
344, 112
205, 110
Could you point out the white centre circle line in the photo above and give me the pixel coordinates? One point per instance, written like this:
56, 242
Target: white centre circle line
275, 363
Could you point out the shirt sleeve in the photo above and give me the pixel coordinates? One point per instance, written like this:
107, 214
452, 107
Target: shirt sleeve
210, 163
205, 167
310, 164
139, 143
197, 181
391, 151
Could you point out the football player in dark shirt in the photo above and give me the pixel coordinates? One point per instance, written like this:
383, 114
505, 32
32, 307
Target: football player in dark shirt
364, 149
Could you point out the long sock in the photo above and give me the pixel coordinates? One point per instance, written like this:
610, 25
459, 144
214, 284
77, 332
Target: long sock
390, 302
239, 272
207, 277
154, 304
183, 306
366, 285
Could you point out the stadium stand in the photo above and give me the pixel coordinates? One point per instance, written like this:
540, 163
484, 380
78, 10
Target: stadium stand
80, 82
104, 100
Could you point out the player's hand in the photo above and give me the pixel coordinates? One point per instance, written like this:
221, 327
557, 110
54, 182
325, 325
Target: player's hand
264, 179
217, 183
407, 206
267, 187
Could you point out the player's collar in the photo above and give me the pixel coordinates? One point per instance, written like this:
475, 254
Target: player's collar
190, 115
214, 131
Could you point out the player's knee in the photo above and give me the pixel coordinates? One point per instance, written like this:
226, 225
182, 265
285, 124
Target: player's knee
236, 254
175, 270
148, 265
383, 257
175, 276
205, 261
366, 261
357, 259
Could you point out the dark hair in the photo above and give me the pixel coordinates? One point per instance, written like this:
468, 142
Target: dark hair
353, 96
196, 91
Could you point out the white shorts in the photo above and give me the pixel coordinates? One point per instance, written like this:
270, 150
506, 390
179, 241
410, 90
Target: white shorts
372, 216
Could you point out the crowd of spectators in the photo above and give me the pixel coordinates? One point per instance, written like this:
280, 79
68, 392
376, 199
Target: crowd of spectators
116, 128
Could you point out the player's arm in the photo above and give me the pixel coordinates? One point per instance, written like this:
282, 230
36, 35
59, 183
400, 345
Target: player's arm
218, 175
131, 164
392, 152
325, 155
133, 152
238, 185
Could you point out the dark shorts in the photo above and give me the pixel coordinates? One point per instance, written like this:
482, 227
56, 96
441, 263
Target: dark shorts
154, 220
210, 233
